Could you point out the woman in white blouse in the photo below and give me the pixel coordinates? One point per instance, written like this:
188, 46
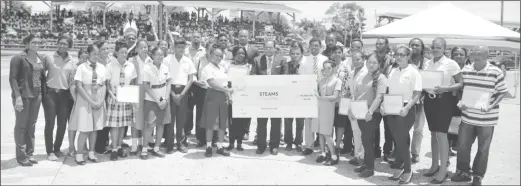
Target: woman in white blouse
89, 109
120, 73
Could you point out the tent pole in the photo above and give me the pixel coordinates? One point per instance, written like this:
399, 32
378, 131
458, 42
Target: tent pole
517, 74
254, 20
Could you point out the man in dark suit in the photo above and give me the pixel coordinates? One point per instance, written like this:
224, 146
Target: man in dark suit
252, 52
268, 64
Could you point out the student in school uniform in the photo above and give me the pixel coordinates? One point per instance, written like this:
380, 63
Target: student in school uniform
89, 109
82, 58
102, 142
358, 59
156, 78
404, 80
120, 72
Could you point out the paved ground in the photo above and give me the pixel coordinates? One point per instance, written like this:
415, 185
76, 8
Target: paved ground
242, 167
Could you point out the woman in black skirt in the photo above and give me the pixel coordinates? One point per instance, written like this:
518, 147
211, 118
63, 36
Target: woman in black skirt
438, 108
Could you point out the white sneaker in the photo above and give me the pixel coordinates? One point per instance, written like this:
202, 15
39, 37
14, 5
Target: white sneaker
52, 157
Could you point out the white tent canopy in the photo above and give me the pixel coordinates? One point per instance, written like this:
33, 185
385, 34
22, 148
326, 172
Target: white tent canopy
447, 21
467, 43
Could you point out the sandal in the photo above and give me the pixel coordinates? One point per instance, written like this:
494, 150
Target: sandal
144, 155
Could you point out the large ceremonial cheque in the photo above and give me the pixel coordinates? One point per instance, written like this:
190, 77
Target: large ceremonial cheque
275, 96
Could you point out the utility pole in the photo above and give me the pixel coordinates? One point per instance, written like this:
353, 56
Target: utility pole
502, 5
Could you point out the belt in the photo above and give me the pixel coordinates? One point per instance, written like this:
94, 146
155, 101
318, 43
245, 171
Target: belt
57, 90
434, 96
158, 86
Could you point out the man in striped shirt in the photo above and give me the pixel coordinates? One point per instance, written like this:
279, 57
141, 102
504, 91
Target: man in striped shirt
478, 122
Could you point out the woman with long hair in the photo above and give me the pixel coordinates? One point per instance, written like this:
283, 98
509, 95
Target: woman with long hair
89, 109
439, 108
237, 124
329, 87
369, 87
26, 77
120, 73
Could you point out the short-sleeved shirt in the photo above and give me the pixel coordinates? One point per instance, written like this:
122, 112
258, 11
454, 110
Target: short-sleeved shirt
140, 66
179, 70
114, 69
404, 82
490, 79
448, 66
364, 90
306, 66
328, 86
84, 73
217, 73
195, 54
158, 79
58, 71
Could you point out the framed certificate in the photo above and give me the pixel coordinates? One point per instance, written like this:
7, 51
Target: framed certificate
475, 98
127, 94
237, 73
431, 79
343, 106
359, 109
392, 104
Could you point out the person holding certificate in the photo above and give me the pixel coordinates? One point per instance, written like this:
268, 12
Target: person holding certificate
237, 124
359, 71
482, 78
329, 87
215, 109
120, 73
369, 89
268, 64
139, 61
156, 78
89, 109
438, 107
405, 85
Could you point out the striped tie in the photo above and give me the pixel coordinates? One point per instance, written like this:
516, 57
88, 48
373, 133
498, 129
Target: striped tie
315, 66
94, 90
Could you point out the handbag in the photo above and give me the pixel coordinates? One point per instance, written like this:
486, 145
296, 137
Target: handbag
454, 125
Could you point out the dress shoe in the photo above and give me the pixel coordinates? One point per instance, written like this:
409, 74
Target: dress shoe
298, 148
122, 153
274, 151
415, 158
476, 180
354, 161
461, 176
307, 151
113, 156
170, 150
144, 155
366, 173
396, 176
321, 158
406, 178
181, 148
208, 152
360, 169
158, 154
32, 160
434, 181
289, 147
222, 152
239, 147
230, 147
25, 163
430, 174
184, 142
200, 144
260, 150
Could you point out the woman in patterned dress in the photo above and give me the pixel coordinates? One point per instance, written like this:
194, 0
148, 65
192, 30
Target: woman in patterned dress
89, 109
329, 87
73, 127
120, 72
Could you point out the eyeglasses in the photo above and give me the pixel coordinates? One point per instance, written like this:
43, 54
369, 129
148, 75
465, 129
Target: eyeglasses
400, 55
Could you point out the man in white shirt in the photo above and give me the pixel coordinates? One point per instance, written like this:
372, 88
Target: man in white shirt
195, 52
181, 70
311, 65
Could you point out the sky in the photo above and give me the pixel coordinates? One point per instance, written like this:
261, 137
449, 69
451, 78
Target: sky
490, 10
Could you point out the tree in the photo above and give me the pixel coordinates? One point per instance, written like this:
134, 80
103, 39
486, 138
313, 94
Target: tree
348, 17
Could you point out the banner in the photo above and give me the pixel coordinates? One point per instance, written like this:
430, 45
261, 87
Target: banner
275, 96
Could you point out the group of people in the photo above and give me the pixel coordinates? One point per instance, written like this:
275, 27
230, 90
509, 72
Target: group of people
173, 79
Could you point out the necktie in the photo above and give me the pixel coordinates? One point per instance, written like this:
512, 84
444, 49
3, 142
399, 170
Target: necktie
269, 65
122, 76
315, 66
94, 75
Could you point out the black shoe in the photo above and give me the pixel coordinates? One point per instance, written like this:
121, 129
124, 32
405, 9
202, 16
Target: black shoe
396, 176
331, 162
461, 176
354, 161
388, 158
170, 150
114, 156
476, 180
396, 165
32, 160
230, 147
158, 154
316, 143
366, 173
451, 153
150, 144
345, 151
430, 174
274, 151
239, 147
260, 150
289, 147
25, 163
415, 158
184, 142
208, 152
222, 152
122, 153
406, 178
321, 159
434, 181
200, 144
181, 148
144, 155
299, 148
254, 141
306, 152
360, 169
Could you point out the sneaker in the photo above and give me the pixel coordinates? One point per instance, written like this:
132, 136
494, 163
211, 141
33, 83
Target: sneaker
52, 157
461, 176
